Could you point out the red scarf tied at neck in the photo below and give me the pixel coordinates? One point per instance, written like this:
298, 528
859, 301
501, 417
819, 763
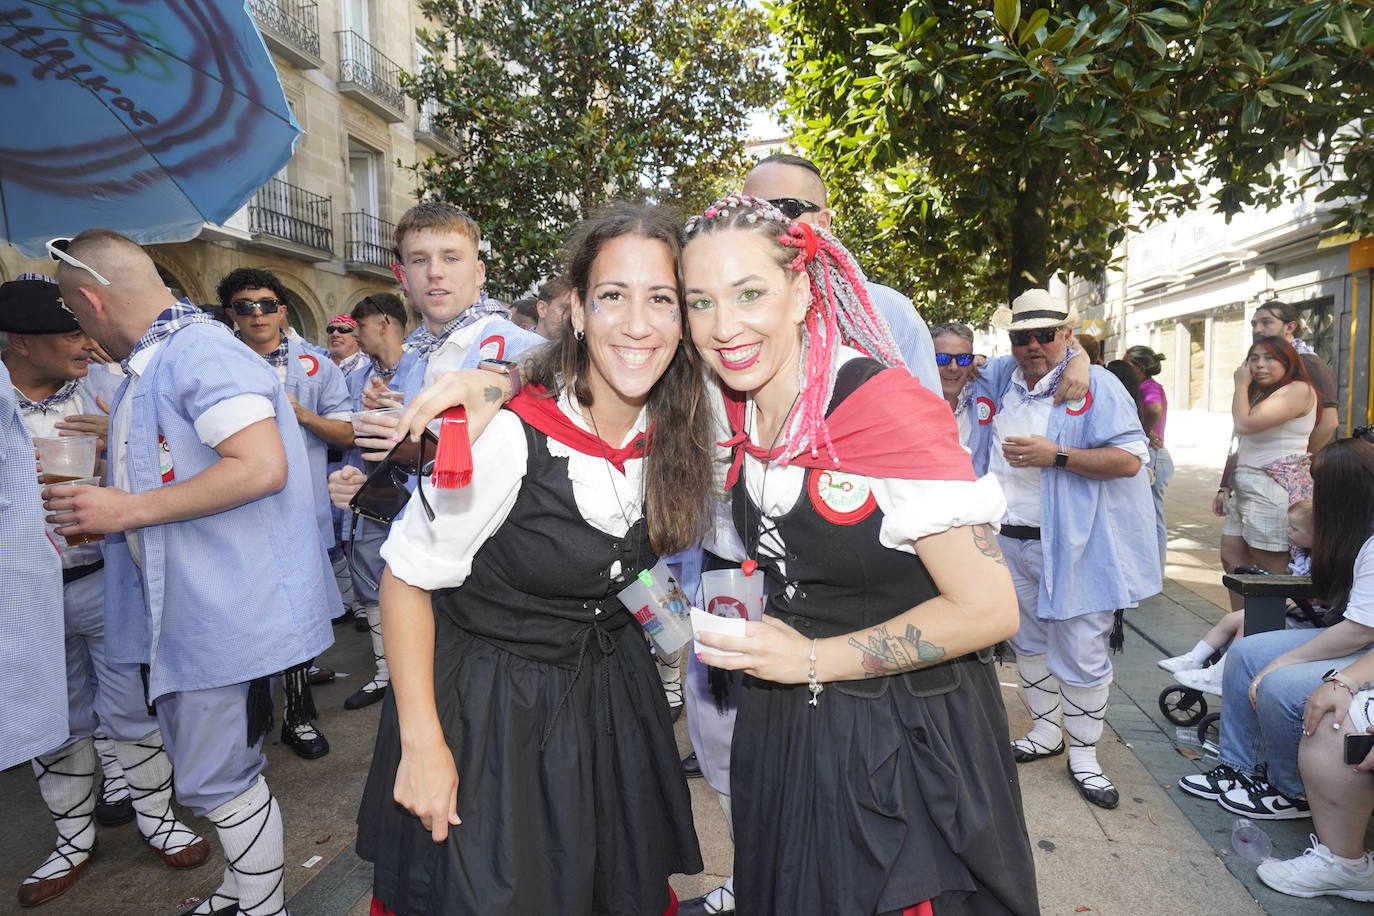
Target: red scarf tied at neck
535, 407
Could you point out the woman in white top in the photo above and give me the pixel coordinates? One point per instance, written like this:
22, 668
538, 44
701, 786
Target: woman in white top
1274, 410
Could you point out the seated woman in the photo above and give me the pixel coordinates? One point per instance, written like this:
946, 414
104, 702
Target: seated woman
1341, 794
514, 665
1270, 675
1273, 411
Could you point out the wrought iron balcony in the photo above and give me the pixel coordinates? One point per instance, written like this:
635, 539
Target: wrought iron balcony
370, 78
368, 243
435, 134
291, 29
284, 212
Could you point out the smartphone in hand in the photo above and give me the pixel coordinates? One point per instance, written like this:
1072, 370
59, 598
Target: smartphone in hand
1357, 748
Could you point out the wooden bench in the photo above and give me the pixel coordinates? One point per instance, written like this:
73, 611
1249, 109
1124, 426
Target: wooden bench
1266, 598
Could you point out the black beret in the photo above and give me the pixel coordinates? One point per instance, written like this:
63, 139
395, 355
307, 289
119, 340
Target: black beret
34, 307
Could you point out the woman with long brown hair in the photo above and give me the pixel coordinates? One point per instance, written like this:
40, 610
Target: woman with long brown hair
1273, 411
515, 667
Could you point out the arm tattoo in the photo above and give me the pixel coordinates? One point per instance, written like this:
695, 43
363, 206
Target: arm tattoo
884, 654
492, 394
985, 539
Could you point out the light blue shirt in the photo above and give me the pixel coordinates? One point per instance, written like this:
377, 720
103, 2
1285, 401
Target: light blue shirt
1098, 537
33, 667
910, 332
317, 385
228, 597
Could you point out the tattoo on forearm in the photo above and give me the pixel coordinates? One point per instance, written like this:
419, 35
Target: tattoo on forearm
492, 394
884, 654
985, 539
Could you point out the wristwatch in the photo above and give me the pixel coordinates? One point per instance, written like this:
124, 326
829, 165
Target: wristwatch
504, 367
1061, 458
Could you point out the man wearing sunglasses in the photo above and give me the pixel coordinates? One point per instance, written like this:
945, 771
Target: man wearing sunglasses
341, 340
207, 465
794, 186
1078, 535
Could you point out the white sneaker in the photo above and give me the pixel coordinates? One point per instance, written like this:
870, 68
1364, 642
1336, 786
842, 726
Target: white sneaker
1315, 873
1207, 680
1184, 662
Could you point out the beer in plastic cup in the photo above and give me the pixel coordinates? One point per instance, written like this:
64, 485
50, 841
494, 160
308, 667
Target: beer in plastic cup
730, 593
655, 599
76, 540
66, 458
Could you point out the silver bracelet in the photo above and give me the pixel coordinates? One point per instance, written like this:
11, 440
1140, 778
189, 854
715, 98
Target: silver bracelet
811, 683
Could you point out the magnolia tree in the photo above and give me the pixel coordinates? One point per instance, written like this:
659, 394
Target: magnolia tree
977, 152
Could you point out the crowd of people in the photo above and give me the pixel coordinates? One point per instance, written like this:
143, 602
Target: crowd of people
728, 394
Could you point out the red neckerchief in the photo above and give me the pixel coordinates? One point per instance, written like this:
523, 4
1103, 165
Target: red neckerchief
536, 408
891, 426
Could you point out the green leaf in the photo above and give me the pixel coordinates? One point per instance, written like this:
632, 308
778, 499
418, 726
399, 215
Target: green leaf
1152, 39
1290, 90
1170, 18
1007, 13
1033, 24
1350, 28
1149, 115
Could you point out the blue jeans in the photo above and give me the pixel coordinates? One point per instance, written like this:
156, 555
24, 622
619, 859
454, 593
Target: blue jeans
1270, 734
1163, 466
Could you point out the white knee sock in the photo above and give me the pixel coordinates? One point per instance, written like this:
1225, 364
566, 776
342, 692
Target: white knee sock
250, 831
722, 899
374, 625
149, 772
1040, 692
115, 788
1201, 652
670, 673
1085, 709
66, 781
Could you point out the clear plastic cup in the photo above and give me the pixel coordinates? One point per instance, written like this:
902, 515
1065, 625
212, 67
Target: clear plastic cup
76, 540
731, 593
656, 600
366, 425
66, 458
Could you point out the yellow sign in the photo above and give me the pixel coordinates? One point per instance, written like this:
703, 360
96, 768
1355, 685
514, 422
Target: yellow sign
1361, 254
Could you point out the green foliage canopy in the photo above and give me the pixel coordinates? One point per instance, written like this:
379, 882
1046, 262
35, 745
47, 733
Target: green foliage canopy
975, 152
559, 106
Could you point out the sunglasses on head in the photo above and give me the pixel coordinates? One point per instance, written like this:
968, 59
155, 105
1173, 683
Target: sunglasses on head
383, 495
1040, 335
959, 359
246, 306
338, 329
794, 207
57, 250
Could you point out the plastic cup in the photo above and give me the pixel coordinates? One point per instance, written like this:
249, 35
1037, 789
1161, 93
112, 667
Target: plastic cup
76, 540
66, 458
365, 423
655, 599
730, 593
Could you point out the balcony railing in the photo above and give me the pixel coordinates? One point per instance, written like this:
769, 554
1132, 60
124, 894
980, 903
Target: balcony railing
283, 211
296, 26
432, 132
368, 240
370, 77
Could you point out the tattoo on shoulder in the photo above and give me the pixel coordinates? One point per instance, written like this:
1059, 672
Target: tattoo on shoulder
885, 654
985, 539
492, 394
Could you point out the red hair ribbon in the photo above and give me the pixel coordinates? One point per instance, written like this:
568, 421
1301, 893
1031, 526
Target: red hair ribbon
801, 235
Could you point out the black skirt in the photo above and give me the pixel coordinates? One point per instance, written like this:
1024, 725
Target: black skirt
592, 825
866, 805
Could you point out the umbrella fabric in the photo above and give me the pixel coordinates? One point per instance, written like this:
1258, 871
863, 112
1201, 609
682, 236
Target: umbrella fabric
146, 116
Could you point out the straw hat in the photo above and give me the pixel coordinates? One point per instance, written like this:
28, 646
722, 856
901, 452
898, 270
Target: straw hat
1035, 308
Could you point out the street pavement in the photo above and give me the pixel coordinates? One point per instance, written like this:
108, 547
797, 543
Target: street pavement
1160, 852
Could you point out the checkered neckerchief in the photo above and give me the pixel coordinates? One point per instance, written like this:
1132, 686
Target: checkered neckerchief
1053, 377
173, 319
384, 373
350, 363
277, 358
52, 401
423, 344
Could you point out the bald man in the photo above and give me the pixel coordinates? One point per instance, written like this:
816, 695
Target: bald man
794, 185
210, 510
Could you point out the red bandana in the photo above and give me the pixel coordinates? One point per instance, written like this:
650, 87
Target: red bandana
890, 426
536, 408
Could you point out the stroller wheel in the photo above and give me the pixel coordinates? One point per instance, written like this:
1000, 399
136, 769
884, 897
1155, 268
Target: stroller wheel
1183, 705
1209, 730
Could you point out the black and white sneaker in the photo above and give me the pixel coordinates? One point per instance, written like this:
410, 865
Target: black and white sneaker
1260, 800
1213, 784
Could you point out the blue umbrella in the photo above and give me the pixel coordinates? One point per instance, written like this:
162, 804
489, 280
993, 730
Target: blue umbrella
146, 116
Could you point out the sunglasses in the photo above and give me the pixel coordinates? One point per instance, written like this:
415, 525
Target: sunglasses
57, 250
959, 359
383, 495
794, 207
246, 306
1040, 335
338, 329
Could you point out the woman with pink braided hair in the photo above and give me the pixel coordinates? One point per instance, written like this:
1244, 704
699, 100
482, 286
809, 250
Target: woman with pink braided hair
870, 772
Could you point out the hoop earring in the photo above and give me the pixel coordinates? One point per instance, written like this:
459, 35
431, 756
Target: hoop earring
579, 334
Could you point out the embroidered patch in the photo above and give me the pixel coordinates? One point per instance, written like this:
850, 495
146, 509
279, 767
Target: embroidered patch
986, 410
840, 498
164, 460
725, 606
494, 347
1079, 407
310, 363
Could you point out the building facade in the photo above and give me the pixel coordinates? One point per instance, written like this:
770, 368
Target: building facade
324, 223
